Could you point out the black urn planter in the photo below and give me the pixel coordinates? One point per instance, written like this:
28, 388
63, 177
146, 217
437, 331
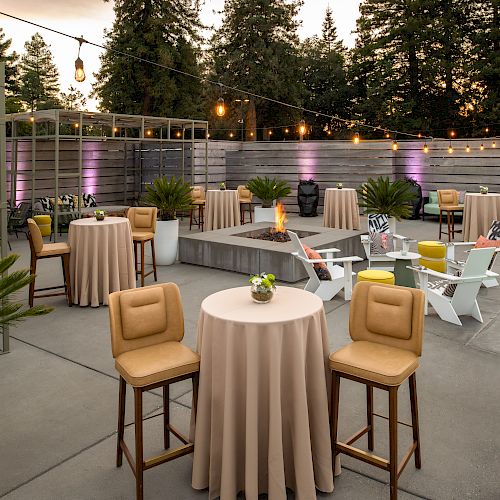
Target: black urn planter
416, 204
308, 198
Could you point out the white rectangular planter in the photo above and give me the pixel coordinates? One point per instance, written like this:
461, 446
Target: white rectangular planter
264, 214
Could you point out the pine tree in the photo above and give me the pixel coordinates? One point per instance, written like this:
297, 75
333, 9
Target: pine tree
162, 32
39, 77
11, 76
256, 49
73, 99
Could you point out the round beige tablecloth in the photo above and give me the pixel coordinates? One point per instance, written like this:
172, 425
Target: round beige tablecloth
222, 209
480, 210
102, 259
262, 422
340, 209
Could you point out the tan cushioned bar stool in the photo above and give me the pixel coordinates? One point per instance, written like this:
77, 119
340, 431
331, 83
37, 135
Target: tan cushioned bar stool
147, 326
245, 197
448, 203
198, 201
386, 327
41, 250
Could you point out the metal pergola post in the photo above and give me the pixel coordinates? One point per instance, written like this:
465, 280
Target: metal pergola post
192, 154
33, 163
56, 176
206, 157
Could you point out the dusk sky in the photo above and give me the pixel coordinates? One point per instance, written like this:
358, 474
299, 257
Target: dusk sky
90, 18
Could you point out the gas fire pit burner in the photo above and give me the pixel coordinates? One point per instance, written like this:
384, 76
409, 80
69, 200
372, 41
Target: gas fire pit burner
270, 235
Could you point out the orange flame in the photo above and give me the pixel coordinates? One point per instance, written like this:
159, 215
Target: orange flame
280, 218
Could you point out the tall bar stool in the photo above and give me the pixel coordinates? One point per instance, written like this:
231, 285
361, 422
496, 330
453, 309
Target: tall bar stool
245, 198
41, 250
147, 326
143, 224
386, 326
198, 203
448, 204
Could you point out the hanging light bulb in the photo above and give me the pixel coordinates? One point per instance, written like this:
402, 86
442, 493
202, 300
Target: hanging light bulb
231, 135
270, 133
302, 127
79, 71
356, 138
481, 147
387, 135
286, 131
450, 148
426, 148
220, 107
494, 144
148, 132
487, 129
467, 148
395, 145
453, 133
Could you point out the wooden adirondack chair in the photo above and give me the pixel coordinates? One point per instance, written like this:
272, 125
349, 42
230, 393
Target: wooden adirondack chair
341, 276
464, 299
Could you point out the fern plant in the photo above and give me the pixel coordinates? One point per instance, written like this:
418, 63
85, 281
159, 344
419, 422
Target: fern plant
12, 312
268, 190
169, 196
381, 196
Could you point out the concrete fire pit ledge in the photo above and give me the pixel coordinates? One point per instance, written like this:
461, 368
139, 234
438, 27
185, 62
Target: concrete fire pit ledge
228, 249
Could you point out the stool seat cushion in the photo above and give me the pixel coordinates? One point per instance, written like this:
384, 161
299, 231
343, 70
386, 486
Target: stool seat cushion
376, 276
375, 362
142, 236
432, 249
156, 363
245, 200
454, 208
198, 202
53, 249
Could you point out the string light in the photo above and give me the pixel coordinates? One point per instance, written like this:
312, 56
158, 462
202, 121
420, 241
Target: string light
453, 133
387, 135
231, 135
494, 144
302, 127
32, 119
220, 108
148, 132
450, 148
419, 135
286, 131
251, 134
115, 129
79, 71
356, 138
467, 148
395, 145
487, 129
426, 148
481, 147
77, 125
178, 134
270, 132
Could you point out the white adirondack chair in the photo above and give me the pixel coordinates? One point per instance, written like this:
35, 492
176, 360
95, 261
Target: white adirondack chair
341, 276
464, 300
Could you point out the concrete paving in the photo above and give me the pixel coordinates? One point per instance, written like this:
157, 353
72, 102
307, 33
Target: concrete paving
58, 393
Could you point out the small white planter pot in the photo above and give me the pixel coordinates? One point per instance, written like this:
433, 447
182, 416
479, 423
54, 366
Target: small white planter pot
264, 214
166, 243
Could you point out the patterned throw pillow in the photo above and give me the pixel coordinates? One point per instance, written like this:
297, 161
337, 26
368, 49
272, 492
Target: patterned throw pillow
89, 200
494, 232
45, 202
378, 223
448, 288
381, 243
67, 199
320, 267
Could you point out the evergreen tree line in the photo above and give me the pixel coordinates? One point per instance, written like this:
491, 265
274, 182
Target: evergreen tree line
418, 66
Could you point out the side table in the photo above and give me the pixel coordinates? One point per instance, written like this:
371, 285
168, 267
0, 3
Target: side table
402, 275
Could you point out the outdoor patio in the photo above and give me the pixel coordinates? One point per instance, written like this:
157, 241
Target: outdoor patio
59, 393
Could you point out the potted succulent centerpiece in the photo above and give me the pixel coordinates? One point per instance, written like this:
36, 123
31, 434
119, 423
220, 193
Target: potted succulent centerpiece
262, 287
268, 191
381, 196
222, 186
99, 214
169, 196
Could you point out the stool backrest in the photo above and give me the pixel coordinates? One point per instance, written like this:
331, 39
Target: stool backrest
447, 197
142, 317
143, 218
244, 193
198, 193
35, 236
388, 314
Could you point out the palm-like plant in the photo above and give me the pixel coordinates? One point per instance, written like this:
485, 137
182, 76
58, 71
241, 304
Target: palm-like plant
12, 312
169, 196
268, 190
381, 196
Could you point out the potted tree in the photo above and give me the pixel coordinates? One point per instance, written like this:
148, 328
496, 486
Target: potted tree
381, 196
268, 191
169, 196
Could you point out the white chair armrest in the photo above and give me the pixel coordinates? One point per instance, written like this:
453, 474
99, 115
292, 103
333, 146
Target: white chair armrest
447, 277
317, 261
326, 250
399, 237
347, 259
460, 243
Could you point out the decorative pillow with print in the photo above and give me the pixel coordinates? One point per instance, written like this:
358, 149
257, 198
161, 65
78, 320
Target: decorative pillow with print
45, 202
89, 200
67, 199
381, 243
494, 232
378, 223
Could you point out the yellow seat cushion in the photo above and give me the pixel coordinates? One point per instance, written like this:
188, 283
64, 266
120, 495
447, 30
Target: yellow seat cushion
157, 363
52, 249
376, 276
432, 249
378, 363
142, 236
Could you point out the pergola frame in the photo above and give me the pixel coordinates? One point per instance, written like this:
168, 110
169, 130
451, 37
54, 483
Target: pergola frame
112, 127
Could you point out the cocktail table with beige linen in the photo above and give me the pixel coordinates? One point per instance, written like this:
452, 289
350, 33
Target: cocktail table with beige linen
341, 208
222, 209
262, 421
480, 211
102, 259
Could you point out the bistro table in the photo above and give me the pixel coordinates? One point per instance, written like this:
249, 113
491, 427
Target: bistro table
480, 210
101, 260
222, 209
402, 275
340, 209
262, 416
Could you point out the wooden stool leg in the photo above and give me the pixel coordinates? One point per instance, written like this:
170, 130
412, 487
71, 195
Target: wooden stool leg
440, 222
452, 225
414, 419
202, 216
142, 262
121, 421
153, 256
166, 417
67, 279
250, 210
369, 415
448, 220
135, 258
393, 441
190, 218
32, 284
334, 416
139, 466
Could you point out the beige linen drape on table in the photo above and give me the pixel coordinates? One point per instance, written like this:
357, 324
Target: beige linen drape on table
262, 423
102, 259
480, 210
340, 209
222, 209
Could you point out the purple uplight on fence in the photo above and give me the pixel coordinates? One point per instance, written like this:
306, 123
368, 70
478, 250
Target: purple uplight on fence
90, 166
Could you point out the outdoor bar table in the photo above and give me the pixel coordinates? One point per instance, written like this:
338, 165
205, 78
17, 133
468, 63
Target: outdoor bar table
101, 260
222, 209
262, 416
480, 210
340, 209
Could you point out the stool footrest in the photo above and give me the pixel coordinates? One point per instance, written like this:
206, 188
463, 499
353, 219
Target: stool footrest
178, 435
358, 434
364, 456
387, 418
169, 455
406, 458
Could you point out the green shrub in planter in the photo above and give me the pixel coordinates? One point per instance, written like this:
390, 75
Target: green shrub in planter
268, 190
